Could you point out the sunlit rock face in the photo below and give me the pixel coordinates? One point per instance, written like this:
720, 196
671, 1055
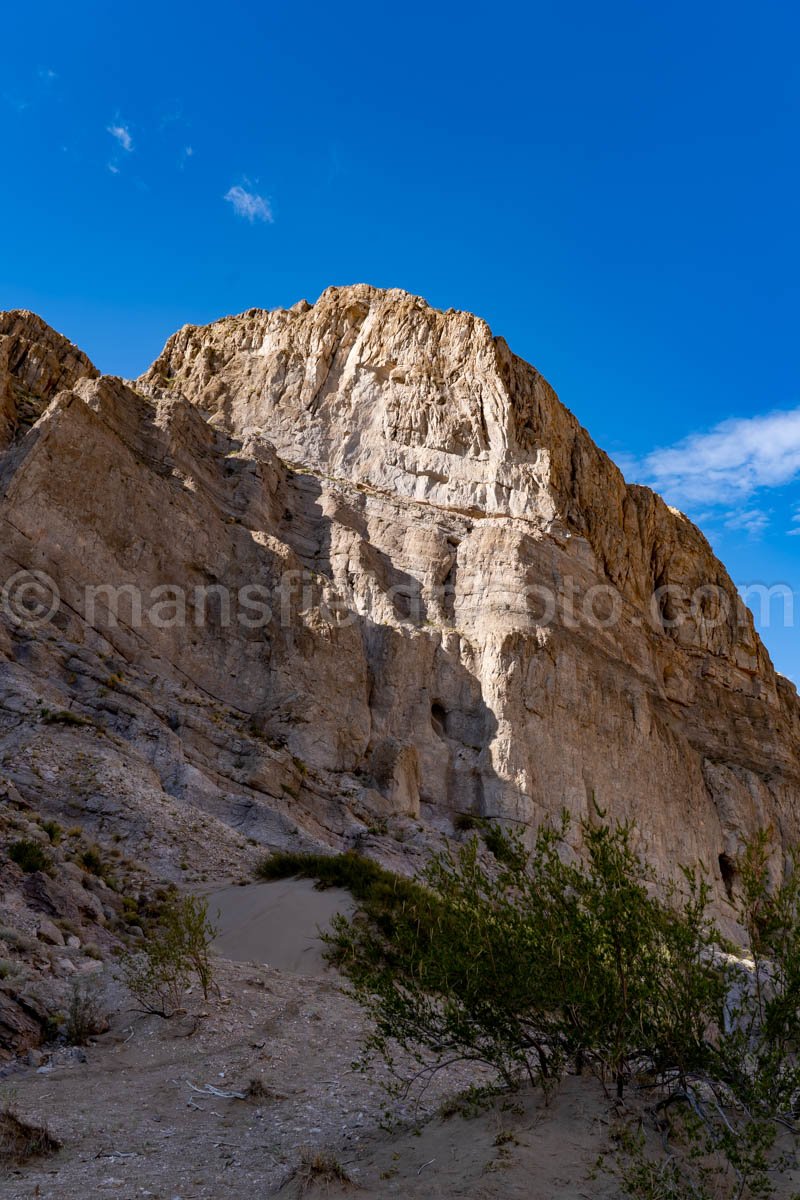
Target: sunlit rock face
470, 610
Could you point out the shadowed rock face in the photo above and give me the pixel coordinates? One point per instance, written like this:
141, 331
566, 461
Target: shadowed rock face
35, 364
415, 499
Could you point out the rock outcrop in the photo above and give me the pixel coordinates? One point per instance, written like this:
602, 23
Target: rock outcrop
470, 610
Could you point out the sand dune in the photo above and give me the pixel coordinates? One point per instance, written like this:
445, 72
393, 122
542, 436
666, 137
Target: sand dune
276, 923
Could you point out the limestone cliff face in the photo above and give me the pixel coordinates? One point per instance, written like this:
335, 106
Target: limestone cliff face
427, 497
35, 364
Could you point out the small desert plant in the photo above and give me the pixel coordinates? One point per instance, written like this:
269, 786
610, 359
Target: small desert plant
21, 1139
91, 860
29, 855
257, 1090
176, 949
86, 1014
15, 939
502, 847
369, 883
130, 910
320, 1167
64, 717
53, 831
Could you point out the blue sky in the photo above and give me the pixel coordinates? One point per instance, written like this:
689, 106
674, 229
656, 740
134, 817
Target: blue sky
614, 187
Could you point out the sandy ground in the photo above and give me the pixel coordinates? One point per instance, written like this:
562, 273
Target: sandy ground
276, 924
137, 1117
134, 1125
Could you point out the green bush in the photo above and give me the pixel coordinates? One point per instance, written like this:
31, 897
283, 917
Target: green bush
53, 831
91, 860
546, 962
176, 949
542, 963
504, 849
363, 878
29, 855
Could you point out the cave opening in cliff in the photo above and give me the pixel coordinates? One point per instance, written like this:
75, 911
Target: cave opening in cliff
727, 869
438, 718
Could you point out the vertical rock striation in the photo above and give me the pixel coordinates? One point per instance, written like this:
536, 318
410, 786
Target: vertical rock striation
472, 610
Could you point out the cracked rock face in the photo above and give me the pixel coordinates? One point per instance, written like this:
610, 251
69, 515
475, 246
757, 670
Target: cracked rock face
470, 609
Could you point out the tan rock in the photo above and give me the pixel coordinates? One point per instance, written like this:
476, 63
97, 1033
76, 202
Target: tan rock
50, 933
413, 497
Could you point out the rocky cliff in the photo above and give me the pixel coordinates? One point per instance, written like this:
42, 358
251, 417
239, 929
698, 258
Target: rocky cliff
469, 609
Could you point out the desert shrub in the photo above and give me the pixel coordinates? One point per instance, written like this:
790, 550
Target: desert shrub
53, 831
539, 963
16, 939
91, 860
257, 1090
320, 1168
86, 1015
544, 961
64, 717
752, 1088
21, 1139
504, 849
29, 855
130, 910
175, 950
368, 882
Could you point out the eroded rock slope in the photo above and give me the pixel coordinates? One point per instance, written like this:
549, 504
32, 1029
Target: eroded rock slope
471, 610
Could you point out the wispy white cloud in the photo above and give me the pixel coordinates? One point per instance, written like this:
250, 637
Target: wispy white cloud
795, 530
249, 205
752, 521
122, 135
720, 471
726, 466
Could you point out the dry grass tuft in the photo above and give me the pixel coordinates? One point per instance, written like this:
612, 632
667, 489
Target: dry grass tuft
257, 1090
21, 1140
320, 1168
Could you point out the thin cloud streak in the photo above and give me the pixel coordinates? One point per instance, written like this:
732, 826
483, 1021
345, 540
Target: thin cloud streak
249, 205
122, 135
752, 521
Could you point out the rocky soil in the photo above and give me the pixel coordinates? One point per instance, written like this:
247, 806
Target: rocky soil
136, 1117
